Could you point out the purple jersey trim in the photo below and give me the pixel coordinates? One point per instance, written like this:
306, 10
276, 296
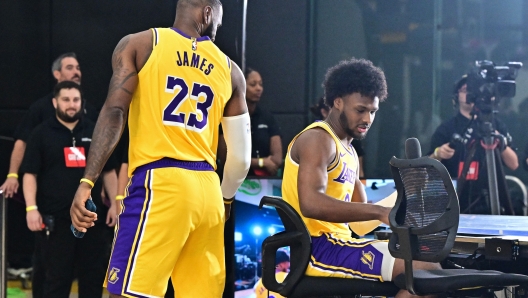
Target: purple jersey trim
170, 162
155, 37
201, 38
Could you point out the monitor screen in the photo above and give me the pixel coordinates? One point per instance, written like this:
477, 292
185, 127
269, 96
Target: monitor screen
252, 226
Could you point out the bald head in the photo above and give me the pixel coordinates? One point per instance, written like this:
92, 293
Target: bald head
215, 4
199, 16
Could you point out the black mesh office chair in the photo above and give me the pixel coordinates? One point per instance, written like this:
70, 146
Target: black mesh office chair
424, 222
297, 284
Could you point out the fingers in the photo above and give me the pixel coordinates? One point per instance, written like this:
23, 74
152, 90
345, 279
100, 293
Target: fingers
34, 221
81, 222
10, 187
82, 218
111, 219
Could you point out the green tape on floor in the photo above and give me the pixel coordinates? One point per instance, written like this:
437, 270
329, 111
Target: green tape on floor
15, 293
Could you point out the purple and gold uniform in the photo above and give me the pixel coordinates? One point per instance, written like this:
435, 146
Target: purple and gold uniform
172, 218
334, 252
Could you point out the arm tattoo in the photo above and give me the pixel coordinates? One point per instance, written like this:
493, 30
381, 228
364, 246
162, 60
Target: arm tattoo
113, 116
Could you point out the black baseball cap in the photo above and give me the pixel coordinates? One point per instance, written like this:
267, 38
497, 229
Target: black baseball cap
458, 84
281, 257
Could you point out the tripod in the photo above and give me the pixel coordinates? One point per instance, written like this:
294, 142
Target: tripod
487, 138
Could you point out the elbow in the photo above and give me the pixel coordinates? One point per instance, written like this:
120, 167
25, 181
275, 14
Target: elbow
277, 160
242, 161
309, 211
514, 165
245, 163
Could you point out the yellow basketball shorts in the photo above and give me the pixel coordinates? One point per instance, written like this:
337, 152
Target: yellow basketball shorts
171, 225
347, 257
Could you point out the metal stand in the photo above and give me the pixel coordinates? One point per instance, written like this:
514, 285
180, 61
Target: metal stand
487, 138
492, 170
3, 222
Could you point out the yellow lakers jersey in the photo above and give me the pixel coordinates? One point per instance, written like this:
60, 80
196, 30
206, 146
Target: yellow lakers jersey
262, 292
179, 101
342, 173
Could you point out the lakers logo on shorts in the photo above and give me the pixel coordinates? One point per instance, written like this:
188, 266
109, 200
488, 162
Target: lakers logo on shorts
112, 276
368, 259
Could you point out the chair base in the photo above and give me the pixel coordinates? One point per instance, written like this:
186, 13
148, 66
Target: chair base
454, 280
310, 286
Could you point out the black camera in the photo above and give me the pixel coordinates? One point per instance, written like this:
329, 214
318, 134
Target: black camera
488, 83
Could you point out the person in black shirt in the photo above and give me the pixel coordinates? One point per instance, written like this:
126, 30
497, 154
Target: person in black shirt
64, 68
475, 196
266, 152
53, 165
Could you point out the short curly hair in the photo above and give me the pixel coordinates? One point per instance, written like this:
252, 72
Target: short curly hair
354, 75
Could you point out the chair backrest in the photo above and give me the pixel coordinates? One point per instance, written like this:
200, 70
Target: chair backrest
295, 236
425, 217
518, 195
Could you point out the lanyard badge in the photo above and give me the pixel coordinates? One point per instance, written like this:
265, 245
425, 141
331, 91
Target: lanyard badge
74, 157
473, 171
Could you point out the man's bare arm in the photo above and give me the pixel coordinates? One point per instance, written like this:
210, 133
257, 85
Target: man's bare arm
129, 56
359, 194
237, 103
112, 118
509, 157
276, 150
314, 151
235, 124
10, 186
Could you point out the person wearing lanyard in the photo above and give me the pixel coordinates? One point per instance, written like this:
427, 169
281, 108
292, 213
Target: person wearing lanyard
53, 163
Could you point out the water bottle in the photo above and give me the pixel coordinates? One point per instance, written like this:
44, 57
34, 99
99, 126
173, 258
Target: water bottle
90, 205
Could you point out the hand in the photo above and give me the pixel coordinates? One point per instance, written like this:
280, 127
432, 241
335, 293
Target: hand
103, 195
82, 219
111, 216
10, 187
118, 207
227, 208
444, 152
270, 166
34, 220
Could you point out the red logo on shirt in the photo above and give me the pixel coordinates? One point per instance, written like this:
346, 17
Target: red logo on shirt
74, 157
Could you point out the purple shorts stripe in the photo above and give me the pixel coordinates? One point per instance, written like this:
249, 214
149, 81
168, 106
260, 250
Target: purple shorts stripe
359, 259
143, 219
128, 233
170, 162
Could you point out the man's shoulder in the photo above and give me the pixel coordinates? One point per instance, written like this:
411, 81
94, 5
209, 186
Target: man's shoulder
448, 124
43, 102
42, 128
311, 138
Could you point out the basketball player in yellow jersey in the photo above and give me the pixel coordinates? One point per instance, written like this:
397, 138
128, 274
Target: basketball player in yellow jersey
321, 179
282, 267
177, 87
